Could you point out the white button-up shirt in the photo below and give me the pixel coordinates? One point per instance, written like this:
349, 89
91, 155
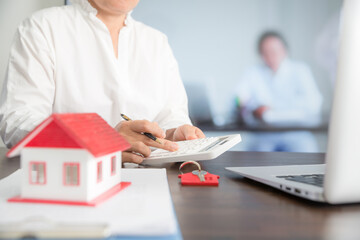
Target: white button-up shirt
62, 60
291, 94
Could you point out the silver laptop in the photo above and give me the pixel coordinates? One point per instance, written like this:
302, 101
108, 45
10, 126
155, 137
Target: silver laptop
339, 180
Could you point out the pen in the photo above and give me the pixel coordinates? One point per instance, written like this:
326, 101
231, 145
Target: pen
149, 135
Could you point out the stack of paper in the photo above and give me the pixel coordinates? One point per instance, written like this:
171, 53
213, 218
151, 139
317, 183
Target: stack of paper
143, 209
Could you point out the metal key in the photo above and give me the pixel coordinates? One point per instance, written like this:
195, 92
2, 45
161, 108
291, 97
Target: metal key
201, 174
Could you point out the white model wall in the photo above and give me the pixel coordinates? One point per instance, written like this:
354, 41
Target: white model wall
54, 187
96, 188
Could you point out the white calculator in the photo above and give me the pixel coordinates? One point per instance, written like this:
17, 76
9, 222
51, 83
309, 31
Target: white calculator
198, 149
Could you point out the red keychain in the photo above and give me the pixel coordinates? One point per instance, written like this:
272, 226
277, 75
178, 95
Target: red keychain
197, 177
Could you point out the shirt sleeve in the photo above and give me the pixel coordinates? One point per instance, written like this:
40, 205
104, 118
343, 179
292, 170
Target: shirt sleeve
28, 91
175, 111
306, 107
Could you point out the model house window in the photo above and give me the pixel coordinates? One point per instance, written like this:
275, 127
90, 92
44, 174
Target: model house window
72, 174
99, 172
113, 165
37, 172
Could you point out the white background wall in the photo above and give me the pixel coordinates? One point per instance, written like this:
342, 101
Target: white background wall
214, 41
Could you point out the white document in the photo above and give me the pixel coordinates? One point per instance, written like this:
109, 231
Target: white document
143, 209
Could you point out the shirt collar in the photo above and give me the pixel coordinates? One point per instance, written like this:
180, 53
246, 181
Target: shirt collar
85, 5
284, 66
129, 20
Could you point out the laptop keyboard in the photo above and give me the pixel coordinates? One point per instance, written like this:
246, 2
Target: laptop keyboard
312, 179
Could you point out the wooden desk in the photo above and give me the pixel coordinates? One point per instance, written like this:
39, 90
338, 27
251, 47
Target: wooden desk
243, 209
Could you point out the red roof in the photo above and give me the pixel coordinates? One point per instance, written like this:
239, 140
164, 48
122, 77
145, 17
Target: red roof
75, 130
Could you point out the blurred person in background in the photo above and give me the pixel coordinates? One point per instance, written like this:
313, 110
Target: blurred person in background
279, 92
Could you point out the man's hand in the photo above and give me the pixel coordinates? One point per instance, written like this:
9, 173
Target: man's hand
184, 132
259, 112
132, 132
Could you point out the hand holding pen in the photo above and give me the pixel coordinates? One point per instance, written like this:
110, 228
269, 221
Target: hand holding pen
149, 135
134, 132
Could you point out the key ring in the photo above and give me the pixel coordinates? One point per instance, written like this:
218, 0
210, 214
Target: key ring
189, 162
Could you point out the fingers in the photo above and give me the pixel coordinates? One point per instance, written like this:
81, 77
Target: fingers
165, 144
190, 132
142, 126
131, 157
199, 133
169, 145
136, 153
140, 147
139, 150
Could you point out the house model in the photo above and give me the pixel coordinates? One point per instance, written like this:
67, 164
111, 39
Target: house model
70, 159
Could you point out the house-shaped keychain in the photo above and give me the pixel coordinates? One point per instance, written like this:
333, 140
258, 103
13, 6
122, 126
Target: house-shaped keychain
70, 159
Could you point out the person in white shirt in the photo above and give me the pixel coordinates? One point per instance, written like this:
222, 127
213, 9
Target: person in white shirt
92, 56
279, 92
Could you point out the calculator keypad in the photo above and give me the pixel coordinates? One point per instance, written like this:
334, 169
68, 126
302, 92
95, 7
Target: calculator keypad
186, 147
